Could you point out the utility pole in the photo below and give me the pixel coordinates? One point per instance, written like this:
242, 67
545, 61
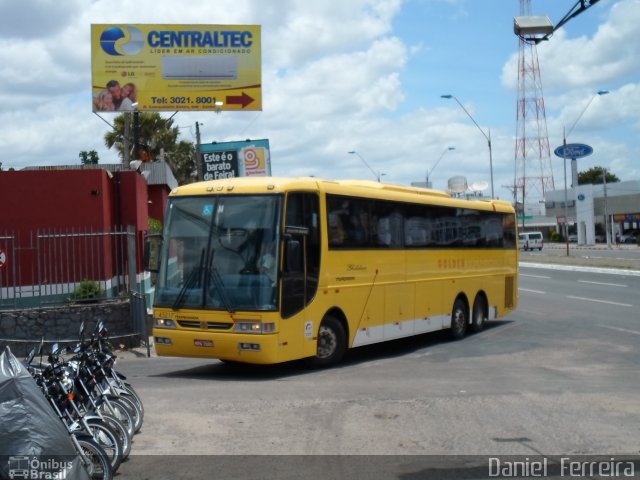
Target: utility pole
198, 163
126, 141
606, 213
136, 136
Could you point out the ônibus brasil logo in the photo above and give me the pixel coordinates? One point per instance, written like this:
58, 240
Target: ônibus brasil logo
32, 467
118, 41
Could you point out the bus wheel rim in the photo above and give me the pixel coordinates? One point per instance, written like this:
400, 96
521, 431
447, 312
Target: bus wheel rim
327, 342
458, 320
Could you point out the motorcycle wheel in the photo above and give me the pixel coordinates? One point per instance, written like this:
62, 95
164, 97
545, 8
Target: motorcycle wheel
122, 433
95, 460
107, 438
120, 412
133, 409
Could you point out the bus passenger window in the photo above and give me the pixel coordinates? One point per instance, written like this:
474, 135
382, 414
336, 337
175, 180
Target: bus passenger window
336, 231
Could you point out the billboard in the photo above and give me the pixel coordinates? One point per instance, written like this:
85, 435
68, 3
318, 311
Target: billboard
245, 158
175, 67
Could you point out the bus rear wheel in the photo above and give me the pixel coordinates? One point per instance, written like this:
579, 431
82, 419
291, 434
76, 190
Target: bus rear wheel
479, 315
459, 319
332, 343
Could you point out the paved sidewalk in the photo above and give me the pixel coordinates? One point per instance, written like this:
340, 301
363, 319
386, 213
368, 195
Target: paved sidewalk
599, 255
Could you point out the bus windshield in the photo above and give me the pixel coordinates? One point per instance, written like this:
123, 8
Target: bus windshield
220, 252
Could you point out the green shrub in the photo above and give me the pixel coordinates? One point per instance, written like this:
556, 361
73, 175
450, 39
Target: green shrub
88, 289
155, 225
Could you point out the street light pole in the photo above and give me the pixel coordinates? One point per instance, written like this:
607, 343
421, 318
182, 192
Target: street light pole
566, 209
564, 159
376, 174
436, 164
488, 137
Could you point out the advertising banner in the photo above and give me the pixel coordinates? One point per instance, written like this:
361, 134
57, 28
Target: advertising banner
245, 158
176, 67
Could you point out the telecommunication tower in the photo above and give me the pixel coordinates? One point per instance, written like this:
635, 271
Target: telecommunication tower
533, 171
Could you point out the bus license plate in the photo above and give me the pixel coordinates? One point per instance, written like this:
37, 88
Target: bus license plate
203, 343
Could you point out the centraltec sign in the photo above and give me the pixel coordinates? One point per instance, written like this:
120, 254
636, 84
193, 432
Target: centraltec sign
573, 150
176, 67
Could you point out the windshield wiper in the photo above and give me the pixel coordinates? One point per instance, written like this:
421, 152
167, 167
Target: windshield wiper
186, 287
219, 284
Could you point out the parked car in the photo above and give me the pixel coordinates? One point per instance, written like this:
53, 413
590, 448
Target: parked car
629, 237
573, 237
530, 241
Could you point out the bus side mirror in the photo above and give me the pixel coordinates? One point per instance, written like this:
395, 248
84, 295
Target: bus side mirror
152, 247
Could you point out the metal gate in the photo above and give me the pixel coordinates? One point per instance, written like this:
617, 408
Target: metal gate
55, 266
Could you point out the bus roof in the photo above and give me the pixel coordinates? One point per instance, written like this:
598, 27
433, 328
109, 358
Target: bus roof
365, 188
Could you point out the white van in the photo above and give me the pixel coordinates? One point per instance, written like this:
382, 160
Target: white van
530, 241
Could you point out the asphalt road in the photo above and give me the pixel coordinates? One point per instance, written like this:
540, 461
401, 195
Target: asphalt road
558, 377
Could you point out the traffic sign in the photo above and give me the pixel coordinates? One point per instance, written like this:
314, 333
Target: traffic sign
573, 150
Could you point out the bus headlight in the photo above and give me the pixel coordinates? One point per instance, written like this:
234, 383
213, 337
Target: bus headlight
254, 327
164, 323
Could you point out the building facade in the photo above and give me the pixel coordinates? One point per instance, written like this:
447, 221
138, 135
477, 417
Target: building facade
590, 208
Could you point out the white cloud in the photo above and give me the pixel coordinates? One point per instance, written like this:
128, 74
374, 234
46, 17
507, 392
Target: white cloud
334, 76
43, 19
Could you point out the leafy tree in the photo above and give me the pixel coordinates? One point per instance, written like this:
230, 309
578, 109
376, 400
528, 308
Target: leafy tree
183, 162
88, 158
156, 134
594, 176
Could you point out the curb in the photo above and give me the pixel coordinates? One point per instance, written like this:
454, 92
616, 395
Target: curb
578, 268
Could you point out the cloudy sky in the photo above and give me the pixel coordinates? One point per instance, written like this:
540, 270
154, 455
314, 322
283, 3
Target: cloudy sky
338, 76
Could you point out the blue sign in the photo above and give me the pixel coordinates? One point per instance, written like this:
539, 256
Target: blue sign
243, 158
573, 150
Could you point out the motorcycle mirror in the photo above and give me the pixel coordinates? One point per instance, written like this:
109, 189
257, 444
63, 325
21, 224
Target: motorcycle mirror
54, 353
102, 329
29, 358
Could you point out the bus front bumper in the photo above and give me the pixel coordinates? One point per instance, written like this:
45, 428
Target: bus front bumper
250, 348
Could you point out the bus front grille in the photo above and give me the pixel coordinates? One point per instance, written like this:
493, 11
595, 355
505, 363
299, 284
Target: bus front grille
205, 325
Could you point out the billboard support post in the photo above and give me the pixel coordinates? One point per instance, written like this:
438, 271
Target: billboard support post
198, 154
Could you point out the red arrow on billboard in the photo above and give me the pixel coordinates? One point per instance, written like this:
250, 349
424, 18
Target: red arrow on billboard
243, 99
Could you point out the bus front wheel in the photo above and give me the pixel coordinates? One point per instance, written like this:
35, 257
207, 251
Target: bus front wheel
459, 319
332, 343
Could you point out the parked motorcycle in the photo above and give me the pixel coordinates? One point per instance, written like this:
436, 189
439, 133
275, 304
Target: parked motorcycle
32, 438
57, 380
93, 400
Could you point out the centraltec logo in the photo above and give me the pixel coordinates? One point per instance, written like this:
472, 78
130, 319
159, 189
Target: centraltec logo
118, 41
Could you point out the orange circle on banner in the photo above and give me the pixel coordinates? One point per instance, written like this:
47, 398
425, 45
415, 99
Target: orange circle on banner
251, 159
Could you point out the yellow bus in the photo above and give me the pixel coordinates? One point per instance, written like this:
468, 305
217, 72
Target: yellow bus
266, 270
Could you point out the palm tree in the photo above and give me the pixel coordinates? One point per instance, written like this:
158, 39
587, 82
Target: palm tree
154, 134
89, 158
